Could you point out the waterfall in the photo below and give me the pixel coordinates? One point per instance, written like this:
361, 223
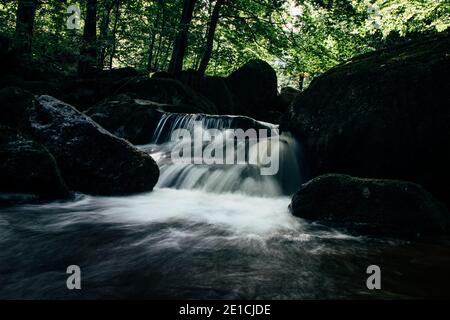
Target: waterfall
169, 122
244, 177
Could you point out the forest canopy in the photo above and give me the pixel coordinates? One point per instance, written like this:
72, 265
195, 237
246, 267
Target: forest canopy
299, 38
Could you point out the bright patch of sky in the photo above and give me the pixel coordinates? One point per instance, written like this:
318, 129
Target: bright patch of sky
295, 12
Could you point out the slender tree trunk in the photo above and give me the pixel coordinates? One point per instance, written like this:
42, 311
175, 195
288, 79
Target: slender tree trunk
301, 81
217, 50
88, 59
156, 63
58, 18
181, 39
157, 53
210, 37
26, 11
196, 61
166, 55
90, 23
114, 31
153, 38
104, 27
150, 52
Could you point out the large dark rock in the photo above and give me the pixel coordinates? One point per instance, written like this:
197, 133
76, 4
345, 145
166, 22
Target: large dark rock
162, 75
85, 93
34, 87
14, 102
132, 119
286, 98
255, 86
190, 78
381, 115
91, 160
5, 45
117, 73
81, 93
216, 90
43, 88
26, 167
168, 91
382, 207
8, 59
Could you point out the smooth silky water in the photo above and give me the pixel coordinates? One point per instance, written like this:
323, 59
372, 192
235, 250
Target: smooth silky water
206, 231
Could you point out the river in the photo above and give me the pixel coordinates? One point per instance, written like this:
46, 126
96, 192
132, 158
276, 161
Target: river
205, 232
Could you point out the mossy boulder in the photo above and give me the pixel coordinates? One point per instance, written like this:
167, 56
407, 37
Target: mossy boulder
373, 206
90, 158
58, 140
132, 119
381, 115
27, 168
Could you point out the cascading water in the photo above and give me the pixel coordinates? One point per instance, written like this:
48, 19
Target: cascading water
241, 178
206, 231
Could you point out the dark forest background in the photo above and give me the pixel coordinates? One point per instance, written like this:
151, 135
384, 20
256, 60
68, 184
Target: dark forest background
299, 38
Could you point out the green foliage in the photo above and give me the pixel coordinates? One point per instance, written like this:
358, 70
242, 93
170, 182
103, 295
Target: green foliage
7, 17
298, 37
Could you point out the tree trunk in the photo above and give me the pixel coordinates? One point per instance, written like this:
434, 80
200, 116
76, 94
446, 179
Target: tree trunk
104, 27
88, 52
301, 81
153, 38
162, 35
157, 53
26, 11
181, 39
58, 18
150, 52
210, 37
114, 31
166, 55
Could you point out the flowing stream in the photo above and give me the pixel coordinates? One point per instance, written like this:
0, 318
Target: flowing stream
206, 231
